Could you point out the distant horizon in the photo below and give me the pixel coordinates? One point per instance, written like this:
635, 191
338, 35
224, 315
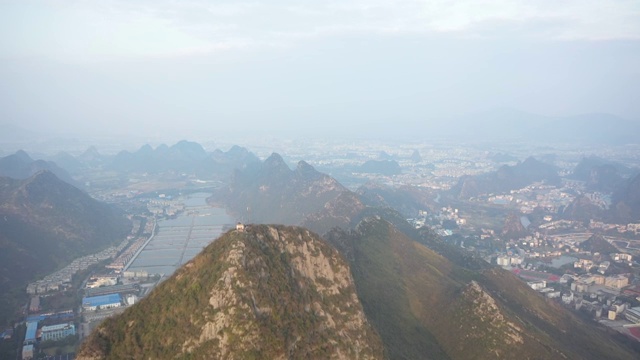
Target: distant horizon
366, 132
389, 69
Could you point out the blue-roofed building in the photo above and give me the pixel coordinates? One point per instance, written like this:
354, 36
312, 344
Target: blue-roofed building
101, 302
32, 330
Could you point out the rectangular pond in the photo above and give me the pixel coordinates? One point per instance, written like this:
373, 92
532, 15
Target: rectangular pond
179, 240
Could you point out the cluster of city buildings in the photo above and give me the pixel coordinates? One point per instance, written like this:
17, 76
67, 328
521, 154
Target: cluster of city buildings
96, 281
527, 199
631, 228
119, 263
62, 278
437, 219
165, 206
594, 294
35, 333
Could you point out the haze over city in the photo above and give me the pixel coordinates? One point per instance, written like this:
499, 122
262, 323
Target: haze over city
197, 69
374, 180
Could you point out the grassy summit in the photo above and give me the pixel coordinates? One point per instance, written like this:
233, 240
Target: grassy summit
269, 292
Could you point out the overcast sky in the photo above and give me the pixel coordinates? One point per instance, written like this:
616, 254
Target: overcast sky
188, 69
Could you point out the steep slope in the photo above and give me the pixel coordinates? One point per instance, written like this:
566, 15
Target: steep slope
269, 292
626, 202
222, 164
67, 162
513, 228
428, 307
597, 244
45, 223
92, 158
276, 194
21, 166
582, 209
600, 174
338, 212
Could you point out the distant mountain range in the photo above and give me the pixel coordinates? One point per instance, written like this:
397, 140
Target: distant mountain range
184, 157
266, 292
273, 193
626, 201
21, 166
600, 174
621, 182
506, 178
44, 224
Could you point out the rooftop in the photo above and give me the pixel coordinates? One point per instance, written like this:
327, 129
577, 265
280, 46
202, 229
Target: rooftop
57, 327
32, 328
101, 300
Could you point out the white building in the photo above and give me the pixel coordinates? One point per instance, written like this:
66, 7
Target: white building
503, 260
617, 281
131, 299
57, 332
537, 285
622, 257
553, 294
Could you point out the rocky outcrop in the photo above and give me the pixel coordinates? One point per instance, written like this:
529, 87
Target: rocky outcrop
266, 292
485, 321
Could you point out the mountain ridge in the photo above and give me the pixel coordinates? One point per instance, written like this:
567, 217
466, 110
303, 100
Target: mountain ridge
21, 166
415, 296
44, 224
264, 292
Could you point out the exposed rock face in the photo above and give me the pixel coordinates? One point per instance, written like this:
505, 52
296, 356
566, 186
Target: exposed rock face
484, 323
270, 292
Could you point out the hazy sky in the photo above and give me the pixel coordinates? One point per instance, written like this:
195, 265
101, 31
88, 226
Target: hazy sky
205, 68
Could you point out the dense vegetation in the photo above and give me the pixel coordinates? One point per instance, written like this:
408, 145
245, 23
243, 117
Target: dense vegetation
429, 306
249, 295
44, 224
